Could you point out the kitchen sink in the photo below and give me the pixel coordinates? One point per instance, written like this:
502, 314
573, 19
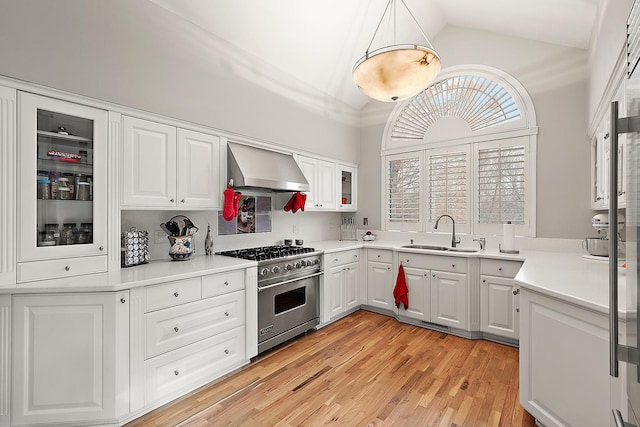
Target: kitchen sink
439, 248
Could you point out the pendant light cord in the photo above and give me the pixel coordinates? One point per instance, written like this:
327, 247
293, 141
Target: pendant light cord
429, 45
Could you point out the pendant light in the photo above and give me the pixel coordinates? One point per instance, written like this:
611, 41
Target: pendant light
396, 72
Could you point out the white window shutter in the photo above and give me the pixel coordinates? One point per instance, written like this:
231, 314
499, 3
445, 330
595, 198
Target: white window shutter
403, 192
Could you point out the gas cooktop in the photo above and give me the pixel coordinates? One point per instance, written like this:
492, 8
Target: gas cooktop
263, 253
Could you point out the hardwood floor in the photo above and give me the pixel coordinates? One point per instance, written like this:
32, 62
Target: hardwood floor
364, 370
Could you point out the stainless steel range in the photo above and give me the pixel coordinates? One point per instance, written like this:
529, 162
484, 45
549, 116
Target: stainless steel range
288, 291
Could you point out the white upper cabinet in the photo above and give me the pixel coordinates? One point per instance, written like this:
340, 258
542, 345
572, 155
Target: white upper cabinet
332, 186
167, 167
600, 159
62, 201
347, 188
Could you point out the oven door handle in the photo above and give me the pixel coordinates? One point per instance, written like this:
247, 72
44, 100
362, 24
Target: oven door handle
290, 281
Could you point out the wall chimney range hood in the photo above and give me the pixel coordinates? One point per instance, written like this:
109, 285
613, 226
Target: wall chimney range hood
252, 167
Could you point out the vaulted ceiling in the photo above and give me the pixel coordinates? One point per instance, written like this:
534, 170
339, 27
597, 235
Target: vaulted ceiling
317, 42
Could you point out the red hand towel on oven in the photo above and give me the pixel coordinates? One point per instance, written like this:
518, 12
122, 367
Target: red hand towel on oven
401, 292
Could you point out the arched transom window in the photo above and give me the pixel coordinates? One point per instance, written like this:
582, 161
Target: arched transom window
479, 101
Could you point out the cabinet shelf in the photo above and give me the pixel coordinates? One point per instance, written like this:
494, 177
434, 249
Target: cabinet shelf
73, 139
61, 166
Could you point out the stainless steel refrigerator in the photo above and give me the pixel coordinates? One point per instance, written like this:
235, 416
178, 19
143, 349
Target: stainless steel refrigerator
625, 133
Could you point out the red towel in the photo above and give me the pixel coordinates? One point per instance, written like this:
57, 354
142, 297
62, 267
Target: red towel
401, 292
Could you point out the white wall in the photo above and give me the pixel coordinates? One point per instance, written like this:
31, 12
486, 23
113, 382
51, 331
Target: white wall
137, 54
556, 78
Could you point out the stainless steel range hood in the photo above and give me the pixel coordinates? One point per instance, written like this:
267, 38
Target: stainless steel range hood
265, 169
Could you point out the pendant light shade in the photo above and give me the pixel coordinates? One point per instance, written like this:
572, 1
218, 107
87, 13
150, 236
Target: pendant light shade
397, 72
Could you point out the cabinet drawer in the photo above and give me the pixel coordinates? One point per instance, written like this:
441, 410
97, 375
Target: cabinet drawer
340, 258
380, 255
221, 283
434, 262
172, 373
185, 324
60, 268
173, 293
499, 267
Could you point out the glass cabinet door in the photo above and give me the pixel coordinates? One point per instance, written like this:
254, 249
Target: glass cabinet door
347, 188
62, 157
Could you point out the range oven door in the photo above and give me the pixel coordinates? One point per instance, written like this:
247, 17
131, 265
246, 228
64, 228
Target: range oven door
287, 309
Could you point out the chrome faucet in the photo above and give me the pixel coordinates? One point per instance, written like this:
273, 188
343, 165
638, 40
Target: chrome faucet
454, 241
482, 241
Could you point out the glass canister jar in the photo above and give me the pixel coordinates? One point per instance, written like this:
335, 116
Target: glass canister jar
52, 234
65, 191
68, 234
85, 233
44, 188
83, 188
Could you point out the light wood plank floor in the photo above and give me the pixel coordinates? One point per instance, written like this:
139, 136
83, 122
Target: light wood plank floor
364, 370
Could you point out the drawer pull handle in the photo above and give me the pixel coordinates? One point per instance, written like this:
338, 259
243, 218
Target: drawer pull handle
172, 200
499, 268
335, 260
182, 201
176, 372
122, 300
226, 351
226, 283
453, 266
175, 328
355, 256
378, 256
388, 268
226, 313
431, 276
484, 280
517, 309
516, 292
67, 268
176, 294
101, 248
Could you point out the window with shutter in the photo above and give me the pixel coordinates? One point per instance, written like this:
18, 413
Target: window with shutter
448, 186
404, 192
501, 185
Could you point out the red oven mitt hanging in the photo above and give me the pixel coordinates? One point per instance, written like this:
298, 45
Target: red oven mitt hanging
401, 292
231, 199
296, 203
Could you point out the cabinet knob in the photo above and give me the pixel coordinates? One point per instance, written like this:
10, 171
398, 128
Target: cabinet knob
67, 268
101, 248
517, 309
453, 266
182, 201
431, 276
484, 280
175, 328
176, 372
176, 294
516, 292
388, 268
499, 268
378, 256
226, 283
226, 351
226, 313
355, 256
122, 300
172, 200
407, 261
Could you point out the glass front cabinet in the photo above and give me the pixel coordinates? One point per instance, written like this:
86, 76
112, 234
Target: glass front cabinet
62, 188
347, 183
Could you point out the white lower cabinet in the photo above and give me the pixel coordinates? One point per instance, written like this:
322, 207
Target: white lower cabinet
438, 290
380, 279
186, 334
188, 366
70, 358
560, 344
340, 291
499, 298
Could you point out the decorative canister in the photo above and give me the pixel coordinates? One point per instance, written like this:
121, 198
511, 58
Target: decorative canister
69, 234
135, 247
180, 247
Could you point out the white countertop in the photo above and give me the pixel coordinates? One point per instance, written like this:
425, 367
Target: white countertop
140, 275
567, 276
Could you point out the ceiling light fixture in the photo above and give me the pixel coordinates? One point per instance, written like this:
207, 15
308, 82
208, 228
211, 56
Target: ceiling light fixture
396, 72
